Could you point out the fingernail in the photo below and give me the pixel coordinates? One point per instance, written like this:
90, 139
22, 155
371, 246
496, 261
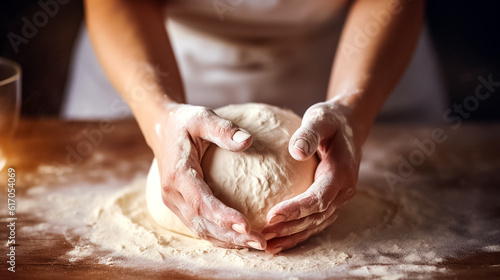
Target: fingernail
302, 145
277, 250
277, 219
240, 136
255, 245
239, 228
269, 235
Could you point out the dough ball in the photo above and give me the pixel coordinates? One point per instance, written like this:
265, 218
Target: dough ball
252, 181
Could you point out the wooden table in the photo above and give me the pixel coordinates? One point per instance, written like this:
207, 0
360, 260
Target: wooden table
471, 152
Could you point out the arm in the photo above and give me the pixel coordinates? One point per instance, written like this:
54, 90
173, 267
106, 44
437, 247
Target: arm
132, 45
363, 75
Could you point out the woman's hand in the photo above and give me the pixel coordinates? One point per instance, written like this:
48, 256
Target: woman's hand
326, 129
182, 135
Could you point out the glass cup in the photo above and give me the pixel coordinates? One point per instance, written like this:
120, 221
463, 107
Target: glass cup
10, 105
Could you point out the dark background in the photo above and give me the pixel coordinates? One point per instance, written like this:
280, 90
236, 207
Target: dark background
466, 35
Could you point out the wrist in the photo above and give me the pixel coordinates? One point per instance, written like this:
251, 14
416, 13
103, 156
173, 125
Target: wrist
357, 117
153, 115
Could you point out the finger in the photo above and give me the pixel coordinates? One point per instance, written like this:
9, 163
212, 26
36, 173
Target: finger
277, 245
196, 193
303, 143
296, 226
315, 126
184, 216
223, 133
220, 236
316, 199
239, 243
224, 237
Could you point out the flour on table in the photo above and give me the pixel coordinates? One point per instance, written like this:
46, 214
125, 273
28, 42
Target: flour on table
379, 233
408, 233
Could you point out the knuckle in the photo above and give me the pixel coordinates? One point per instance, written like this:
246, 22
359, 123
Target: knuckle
167, 189
200, 113
226, 124
200, 233
322, 218
234, 241
195, 203
308, 132
199, 228
318, 202
169, 180
350, 192
285, 231
309, 222
323, 118
316, 113
168, 185
222, 127
204, 111
169, 195
208, 111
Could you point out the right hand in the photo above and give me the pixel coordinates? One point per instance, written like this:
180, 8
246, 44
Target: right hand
182, 135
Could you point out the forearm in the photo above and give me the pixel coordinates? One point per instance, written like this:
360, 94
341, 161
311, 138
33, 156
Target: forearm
132, 45
375, 47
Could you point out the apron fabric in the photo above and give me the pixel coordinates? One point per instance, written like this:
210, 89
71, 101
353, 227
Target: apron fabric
236, 51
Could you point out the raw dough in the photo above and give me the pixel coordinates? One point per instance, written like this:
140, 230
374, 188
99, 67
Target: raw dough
252, 181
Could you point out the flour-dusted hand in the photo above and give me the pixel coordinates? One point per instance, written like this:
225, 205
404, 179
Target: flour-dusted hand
325, 130
130, 39
184, 133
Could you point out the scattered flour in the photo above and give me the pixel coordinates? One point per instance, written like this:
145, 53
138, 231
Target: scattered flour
492, 248
379, 234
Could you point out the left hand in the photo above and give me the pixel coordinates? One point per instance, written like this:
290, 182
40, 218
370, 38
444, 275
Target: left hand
326, 129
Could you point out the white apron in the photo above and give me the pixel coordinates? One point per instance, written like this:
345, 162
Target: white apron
234, 51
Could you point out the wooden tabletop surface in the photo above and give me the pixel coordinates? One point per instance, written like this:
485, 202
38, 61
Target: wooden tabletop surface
50, 142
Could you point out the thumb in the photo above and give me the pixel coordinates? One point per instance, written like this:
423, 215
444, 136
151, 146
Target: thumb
304, 142
224, 133
316, 125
